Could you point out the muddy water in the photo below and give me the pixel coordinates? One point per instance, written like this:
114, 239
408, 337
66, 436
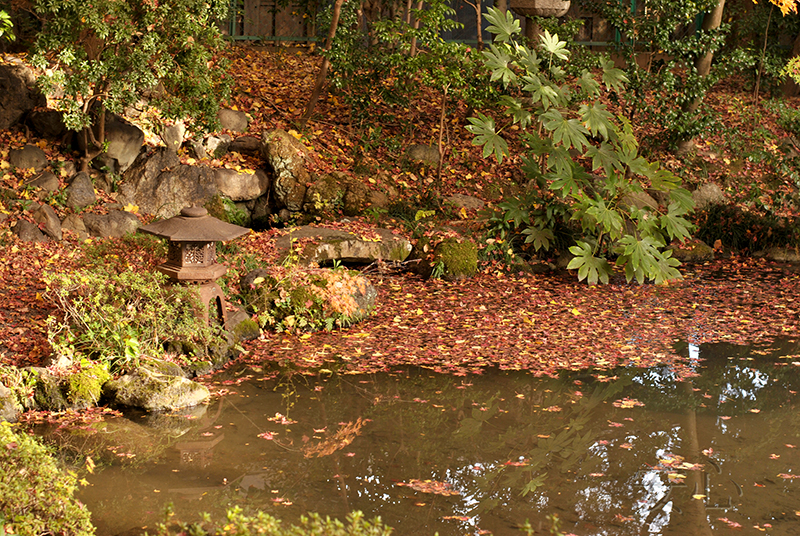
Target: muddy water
629, 452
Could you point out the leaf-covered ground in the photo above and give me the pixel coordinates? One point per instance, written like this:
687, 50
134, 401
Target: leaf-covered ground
538, 322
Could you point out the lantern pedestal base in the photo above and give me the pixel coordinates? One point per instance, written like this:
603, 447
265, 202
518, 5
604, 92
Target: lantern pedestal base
214, 309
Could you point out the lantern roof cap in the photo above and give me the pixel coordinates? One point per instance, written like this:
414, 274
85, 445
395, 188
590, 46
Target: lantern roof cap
194, 224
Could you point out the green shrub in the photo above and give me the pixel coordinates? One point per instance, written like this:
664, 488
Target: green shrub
36, 496
115, 317
238, 524
578, 151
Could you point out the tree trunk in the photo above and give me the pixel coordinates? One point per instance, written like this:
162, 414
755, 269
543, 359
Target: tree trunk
711, 22
413, 51
790, 87
502, 5
323, 70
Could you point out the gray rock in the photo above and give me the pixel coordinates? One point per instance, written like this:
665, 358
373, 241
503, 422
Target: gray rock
692, 251
424, 154
245, 145
28, 232
74, 223
198, 149
172, 135
238, 186
217, 146
47, 218
466, 201
46, 181
48, 124
48, 391
18, 93
124, 142
708, 194
154, 391
324, 194
117, 223
640, 200
80, 192
28, 157
160, 185
233, 120
9, 407
783, 255
287, 158
326, 245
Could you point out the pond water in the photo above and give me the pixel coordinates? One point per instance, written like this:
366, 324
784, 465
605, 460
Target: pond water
625, 452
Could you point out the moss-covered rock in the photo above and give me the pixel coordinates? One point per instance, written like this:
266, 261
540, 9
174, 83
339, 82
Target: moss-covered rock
456, 259
153, 391
692, 251
85, 386
447, 257
324, 195
49, 390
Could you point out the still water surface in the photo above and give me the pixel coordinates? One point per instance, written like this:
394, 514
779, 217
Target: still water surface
625, 453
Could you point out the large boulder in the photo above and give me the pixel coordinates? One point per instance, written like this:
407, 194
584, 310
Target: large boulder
48, 124
160, 185
28, 232
241, 186
18, 94
46, 217
154, 391
287, 158
28, 157
232, 120
116, 223
323, 245
708, 194
80, 192
123, 140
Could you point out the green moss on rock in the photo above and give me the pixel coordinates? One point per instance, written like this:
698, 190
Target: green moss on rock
459, 259
85, 387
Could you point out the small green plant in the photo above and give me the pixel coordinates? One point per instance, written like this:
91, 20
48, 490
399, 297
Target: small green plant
5, 27
239, 524
36, 495
117, 317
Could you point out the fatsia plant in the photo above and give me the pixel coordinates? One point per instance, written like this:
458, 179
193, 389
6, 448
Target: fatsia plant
104, 55
588, 158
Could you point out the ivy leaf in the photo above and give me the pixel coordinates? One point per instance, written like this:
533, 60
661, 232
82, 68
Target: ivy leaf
613, 78
554, 46
567, 131
503, 25
483, 129
589, 267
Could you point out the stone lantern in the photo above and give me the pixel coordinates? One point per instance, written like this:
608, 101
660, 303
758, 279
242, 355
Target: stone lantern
538, 8
191, 259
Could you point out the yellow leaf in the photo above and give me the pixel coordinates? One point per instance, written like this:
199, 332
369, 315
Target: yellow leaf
133, 209
575, 311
